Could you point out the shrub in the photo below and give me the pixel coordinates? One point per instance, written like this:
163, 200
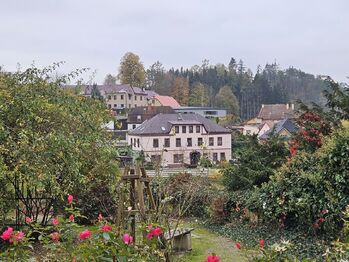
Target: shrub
312, 190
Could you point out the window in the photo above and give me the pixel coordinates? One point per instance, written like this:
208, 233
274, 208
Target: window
141, 98
191, 128
219, 141
135, 105
197, 129
109, 97
211, 141
122, 97
115, 105
200, 141
135, 98
134, 142
155, 142
109, 106
215, 157
222, 156
176, 129
133, 126
122, 105
129, 96
184, 129
114, 97
189, 142
178, 158
138, 142
167, 142
178, 142
131, 141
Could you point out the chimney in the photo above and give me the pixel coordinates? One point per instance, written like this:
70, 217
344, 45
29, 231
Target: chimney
262, 105
292, 106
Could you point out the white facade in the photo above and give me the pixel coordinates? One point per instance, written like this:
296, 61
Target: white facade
181, 143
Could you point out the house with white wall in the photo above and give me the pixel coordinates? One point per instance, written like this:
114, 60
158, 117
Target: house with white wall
181, 139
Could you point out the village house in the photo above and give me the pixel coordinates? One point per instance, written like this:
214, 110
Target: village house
120, 97
177, 139
284, 128
267, 117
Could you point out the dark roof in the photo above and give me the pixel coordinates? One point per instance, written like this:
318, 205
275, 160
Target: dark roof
110, 89
275, 112
161, 124
147, 112
286, 123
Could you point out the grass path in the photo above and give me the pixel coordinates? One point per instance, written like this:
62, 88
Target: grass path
204, 242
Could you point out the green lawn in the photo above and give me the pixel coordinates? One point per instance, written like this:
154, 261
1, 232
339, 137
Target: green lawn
204, 242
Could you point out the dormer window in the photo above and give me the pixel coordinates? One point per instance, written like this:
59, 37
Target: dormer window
176, 129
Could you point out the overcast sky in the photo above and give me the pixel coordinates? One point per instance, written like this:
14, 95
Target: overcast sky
312, 35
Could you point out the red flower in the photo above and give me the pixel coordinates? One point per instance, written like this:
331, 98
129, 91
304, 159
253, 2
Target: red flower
71, 218
212, 258
19, 236
238, 245
85, 234
157, 231
7, 233
100, 217
106, 228
70, 199
55, 236
28, 220
55, 221
127, 239
261, 243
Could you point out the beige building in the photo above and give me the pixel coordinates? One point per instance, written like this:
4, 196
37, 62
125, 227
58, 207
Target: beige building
119, 97
176, 139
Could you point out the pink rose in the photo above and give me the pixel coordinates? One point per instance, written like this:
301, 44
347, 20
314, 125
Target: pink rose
100, 217
150, 235
7, 233
212, 258
19, 236
106, 228
85, 234
28, 220
71, 218
157, 231
70, 199
127, 239
55, 221
261, 243
238, 245
55, 236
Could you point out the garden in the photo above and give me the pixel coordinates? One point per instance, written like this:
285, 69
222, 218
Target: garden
65, 196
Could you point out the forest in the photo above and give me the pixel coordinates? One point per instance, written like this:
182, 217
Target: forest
233, 86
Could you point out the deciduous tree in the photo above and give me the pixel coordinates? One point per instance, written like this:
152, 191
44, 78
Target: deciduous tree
180, 90
226, 99
131, 70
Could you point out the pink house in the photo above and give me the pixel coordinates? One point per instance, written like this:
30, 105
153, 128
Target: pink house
176, 139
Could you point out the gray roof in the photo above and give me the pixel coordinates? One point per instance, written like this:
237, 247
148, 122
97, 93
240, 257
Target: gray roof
111, 89
286, 123
161, 124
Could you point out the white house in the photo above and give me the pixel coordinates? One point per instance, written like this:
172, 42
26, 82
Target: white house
177, 139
